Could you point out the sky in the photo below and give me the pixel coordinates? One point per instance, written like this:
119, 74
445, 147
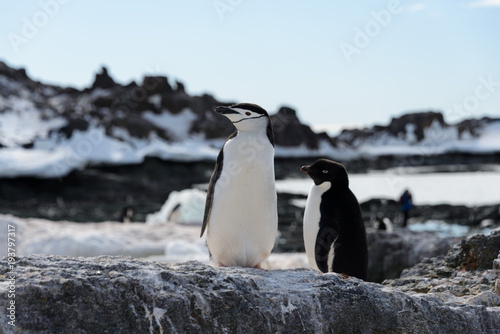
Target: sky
338, 63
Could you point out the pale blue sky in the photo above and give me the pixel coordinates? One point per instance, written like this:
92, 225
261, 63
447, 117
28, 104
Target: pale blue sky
421, 54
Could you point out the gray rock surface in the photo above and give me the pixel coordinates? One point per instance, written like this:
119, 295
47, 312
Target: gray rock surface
55, 294
468, 274
391, 253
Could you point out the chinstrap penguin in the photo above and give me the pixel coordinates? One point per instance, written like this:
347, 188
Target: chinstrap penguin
334, 232
241, 215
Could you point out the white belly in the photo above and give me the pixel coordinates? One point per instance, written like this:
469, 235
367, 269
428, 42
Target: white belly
244, 219
312, 217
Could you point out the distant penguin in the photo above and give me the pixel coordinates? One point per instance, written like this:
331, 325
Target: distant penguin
126, 214
241, 216
334, 232
383, 224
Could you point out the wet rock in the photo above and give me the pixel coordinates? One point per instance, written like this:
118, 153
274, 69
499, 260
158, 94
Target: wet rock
124, 295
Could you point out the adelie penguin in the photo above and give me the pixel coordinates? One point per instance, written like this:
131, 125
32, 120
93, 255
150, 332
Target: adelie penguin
334, 232
241, 216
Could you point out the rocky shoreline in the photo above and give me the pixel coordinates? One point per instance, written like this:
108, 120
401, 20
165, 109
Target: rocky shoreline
146, 186
118, 294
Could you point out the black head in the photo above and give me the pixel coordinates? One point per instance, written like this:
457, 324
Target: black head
325, 170
250, 107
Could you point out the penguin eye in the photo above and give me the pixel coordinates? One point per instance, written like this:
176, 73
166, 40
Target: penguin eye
247, 113
325, 171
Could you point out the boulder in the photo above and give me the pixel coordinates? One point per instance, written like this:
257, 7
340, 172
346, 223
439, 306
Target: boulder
55, 294
472, 127
469, 273
391, 253
12, 73
289, 131
398, 127
103, 80
421, 121
156, 85
476, 252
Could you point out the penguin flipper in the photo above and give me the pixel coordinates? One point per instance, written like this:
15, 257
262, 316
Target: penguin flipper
211, 186
210, 191
324, 241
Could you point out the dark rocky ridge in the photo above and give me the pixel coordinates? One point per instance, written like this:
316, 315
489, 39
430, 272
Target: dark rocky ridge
117, 105
114, 105
420, 122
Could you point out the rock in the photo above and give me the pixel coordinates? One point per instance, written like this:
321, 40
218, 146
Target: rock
411, 125
472, 126
476, 252
103, 80
466, 271
104, 294
391, 253
9, 72
289, 131
73, 124
180, 87
156, 85
419, 120
407, 125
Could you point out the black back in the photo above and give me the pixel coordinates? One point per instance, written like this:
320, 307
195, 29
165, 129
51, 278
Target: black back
342, 224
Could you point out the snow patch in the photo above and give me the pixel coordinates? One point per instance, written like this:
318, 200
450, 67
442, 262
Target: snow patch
175, 124
21, 123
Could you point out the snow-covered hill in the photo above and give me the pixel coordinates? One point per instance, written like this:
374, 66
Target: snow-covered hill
48, 131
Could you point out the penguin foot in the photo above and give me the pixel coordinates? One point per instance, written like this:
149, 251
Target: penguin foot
220, 264
257, 266
344, 275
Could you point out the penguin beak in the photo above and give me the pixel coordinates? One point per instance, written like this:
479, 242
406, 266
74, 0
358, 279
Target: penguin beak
305, 169
225, 110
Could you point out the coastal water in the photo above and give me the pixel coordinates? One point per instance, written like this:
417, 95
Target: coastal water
462, 188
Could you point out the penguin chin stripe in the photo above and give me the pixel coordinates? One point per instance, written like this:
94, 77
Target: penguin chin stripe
244, 119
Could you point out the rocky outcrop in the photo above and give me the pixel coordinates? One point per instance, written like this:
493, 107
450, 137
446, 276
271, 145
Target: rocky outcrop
108, 100
290, 132
103, 80
469, 272
452, 214
112, 105
472, 127
417, 129
391, 253
420, 122
56, 294
12, 73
